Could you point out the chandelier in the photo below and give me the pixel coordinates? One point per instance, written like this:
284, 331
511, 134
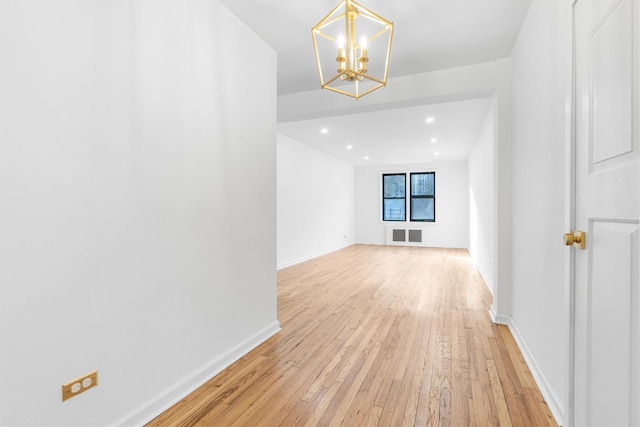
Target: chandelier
356, 43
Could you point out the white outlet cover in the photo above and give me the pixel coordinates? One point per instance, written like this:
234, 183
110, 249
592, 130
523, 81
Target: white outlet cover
75, 388
86, 382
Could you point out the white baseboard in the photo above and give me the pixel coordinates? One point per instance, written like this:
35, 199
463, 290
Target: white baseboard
488, 282
163, 401
309, 257
500, 319
550, 397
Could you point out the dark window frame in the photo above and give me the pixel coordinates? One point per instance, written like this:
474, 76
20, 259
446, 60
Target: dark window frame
404, 198
421, 196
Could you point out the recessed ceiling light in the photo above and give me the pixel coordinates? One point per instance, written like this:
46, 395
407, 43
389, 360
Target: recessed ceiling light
436, 153
349, 147
324, 130
429, 120
434, 140
366, 157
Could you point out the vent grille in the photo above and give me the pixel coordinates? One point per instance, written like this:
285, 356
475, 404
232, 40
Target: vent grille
398, 235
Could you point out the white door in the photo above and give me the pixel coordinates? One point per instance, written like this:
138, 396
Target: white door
607, 296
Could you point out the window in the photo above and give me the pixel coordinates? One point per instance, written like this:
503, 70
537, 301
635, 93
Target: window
394, 197
423, 196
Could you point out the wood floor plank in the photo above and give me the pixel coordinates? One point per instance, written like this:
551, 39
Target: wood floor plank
346, 400
372, 385
498, 395
509, 387
407, 385
375, 336
413, 394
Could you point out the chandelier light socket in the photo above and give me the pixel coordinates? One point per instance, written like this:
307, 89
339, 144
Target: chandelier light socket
335, 38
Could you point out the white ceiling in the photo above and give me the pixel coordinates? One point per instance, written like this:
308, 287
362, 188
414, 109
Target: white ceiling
396, 136
428, 35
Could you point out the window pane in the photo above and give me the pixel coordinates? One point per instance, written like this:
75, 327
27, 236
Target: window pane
423, 209
394, 185
423, 184
393, 210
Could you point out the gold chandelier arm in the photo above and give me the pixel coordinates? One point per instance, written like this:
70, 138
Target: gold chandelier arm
340, 91
370, 90
386, 67
315, 47
379, 34
376, 20
326, 36
320, 24
323, 24
382, 82
357, 95
333, 79
364, 10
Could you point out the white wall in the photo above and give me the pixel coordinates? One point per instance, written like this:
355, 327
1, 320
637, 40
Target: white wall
137, 216
538, 197
315, 202
482, 199
503, 222
451, 229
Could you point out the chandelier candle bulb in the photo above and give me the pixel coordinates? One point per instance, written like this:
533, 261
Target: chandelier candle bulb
363, 56
342, 56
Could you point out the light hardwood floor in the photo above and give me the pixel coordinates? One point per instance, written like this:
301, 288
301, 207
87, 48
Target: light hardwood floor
376, 336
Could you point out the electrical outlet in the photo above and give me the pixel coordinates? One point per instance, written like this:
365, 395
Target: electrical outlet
79, 385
